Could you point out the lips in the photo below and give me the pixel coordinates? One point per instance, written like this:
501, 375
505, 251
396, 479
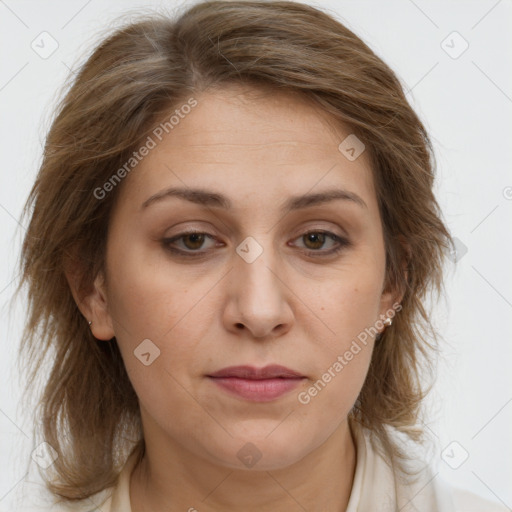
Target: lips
257, 384
273, 371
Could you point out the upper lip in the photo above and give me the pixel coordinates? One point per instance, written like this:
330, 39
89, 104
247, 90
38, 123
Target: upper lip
250, 372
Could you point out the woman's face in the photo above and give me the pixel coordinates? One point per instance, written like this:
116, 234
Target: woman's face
253, 288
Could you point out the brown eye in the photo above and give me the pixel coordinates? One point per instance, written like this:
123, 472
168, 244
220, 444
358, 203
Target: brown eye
188, 243
193, 240
314, 243
314, 240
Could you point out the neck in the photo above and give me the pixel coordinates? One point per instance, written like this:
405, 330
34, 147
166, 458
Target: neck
171, 478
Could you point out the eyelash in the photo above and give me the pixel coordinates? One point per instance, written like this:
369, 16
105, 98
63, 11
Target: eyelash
343, 243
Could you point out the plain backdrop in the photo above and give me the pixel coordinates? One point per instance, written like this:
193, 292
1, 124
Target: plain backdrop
454, 59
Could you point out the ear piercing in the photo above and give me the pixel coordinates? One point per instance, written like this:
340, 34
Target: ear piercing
387, 322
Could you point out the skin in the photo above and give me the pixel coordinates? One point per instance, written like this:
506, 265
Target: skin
287, 307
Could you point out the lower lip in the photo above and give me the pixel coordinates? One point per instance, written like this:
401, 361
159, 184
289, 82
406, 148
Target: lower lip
263, 390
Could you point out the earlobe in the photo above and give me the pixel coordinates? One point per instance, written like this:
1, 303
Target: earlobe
395, 288
102, 326
92, 303
401, 283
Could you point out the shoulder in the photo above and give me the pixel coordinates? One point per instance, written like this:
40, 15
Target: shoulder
382, 486
37, 497
97, 503
430, 492
111, 499
467, 501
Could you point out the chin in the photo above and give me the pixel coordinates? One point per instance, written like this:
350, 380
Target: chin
264, 449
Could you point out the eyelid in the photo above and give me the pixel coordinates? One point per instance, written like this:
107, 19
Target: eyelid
167, 241
341, 242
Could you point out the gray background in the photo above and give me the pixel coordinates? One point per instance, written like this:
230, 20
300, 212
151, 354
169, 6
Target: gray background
466, 103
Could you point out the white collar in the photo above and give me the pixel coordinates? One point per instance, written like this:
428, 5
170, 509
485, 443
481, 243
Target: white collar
375, 488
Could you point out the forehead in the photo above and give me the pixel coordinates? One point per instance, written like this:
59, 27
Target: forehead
239, 137
258, 120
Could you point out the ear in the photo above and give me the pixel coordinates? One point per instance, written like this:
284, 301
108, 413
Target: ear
393, 293
92, 301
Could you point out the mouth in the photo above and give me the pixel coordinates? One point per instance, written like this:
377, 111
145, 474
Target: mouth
257, 384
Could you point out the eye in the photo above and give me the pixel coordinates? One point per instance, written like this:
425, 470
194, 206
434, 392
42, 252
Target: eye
191, 242
315, 241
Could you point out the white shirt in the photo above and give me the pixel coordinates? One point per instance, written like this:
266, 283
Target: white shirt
375, 489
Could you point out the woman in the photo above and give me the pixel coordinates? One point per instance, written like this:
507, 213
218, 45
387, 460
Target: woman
231, 238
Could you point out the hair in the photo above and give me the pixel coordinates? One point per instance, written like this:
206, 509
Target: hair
88, 409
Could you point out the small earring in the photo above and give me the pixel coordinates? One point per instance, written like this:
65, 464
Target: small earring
90, 322
388, 321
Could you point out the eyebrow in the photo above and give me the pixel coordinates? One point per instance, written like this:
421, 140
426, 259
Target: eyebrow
213, 199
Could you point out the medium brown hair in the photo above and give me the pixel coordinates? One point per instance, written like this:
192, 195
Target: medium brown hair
88, 410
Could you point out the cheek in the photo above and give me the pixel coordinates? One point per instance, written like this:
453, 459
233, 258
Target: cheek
350, 302
341, 361
344, 340
156, 322
147, 295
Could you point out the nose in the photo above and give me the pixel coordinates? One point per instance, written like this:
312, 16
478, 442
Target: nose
258, 298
